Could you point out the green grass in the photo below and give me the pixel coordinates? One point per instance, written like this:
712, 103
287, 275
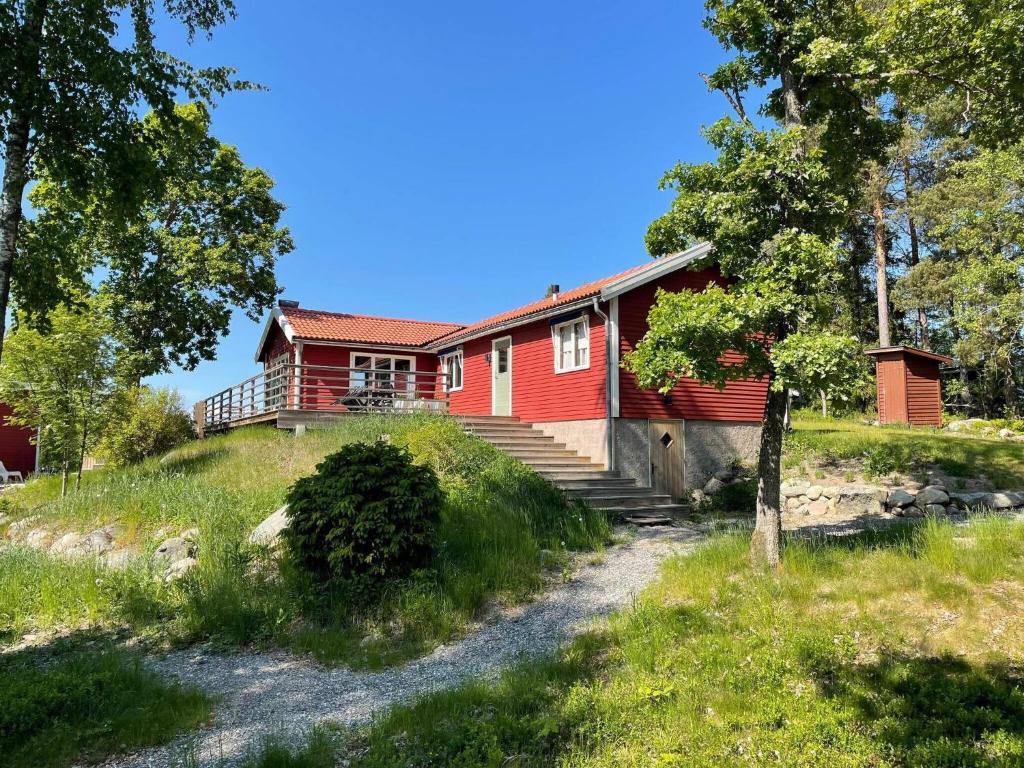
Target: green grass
86, 704
904, 448
900, 648
501, 527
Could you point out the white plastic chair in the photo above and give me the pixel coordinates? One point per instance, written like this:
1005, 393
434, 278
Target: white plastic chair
6, 476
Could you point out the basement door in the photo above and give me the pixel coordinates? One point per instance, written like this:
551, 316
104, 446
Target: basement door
667, 444
501, 376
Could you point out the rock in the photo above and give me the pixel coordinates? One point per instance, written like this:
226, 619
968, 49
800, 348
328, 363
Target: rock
174, 549
803, 499
794, 488
818, 507
3, 518
859, 500
898, 497
190, 534
1005, 433
66, 544
998, 500
179, 568
713, 486
97, 542
19, 526
814, 492
37, 538
952, 509
969, 499
932, 494
935, 509
117, 560
268, 533
697, 496
725, 475
793, 504
913, 511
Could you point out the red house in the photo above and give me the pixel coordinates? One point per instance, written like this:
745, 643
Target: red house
554, 363
17, 452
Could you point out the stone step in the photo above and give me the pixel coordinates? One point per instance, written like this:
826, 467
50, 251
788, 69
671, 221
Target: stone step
659, 511
559, 475
482, 419
613, 488
652, 501
544, 452
524, 440
561, 465
598, 484
520, 430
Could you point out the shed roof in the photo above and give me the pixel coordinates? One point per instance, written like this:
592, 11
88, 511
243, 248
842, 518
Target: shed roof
909, 351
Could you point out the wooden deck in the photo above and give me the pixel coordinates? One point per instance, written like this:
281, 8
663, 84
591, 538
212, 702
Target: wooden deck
299, 396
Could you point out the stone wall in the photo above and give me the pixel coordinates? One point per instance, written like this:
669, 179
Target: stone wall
633, 449
588, 437
712, 446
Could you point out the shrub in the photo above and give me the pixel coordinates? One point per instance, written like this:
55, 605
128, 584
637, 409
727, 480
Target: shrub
367, 512
144, 422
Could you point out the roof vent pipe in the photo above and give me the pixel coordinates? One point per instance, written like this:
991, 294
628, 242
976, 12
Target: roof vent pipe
287, 304
552, 292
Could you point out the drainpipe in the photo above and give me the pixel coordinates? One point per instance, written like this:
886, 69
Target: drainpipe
609, 443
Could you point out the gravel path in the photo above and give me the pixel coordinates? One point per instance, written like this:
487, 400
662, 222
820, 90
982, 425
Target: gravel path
263, 693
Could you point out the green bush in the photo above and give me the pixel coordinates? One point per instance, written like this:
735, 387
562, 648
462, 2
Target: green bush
887, 458
144, 422
367, 512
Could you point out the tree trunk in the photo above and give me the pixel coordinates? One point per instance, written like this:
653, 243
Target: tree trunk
64, 477
881, 269
16, 154
921, 322
766, 543
1010, 390
824, 405
81, 455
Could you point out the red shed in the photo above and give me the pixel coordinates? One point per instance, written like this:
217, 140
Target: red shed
16, 449
909, 391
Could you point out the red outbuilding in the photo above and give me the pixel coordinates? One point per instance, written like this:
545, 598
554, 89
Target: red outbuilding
554, 362
17, 452
909, 388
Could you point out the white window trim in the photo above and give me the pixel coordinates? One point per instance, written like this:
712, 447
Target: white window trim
556, 348
462, 366
410, 384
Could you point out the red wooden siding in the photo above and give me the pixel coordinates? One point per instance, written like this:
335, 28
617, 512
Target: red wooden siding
16, 449
538, 393
924, 392
739, 401
277, 344
321, 389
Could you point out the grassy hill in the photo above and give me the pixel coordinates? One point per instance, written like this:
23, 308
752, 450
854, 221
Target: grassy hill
501, 528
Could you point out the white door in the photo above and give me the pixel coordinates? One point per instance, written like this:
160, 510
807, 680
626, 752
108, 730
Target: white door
501, 377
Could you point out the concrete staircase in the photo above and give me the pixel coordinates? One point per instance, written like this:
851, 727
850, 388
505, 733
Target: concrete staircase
579, 477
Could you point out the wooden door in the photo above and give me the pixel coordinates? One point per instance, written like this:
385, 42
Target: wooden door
667, 446
501, 377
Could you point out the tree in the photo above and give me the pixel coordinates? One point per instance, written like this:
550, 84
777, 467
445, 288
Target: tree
144, 422
60, 382
774, 204
204, 239
974, 220
73, 74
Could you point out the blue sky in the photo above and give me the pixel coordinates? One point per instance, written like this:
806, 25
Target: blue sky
449, 160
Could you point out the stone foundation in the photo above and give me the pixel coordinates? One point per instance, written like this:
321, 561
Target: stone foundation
588, 437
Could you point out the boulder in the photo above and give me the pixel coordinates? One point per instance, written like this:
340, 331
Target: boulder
725, 475
934, 509
913, 511
268, 533
969, 499
793, 504
998, 500
932, 494
814, 492
1005, 433
859, 500
174, 549
697, 496
898, 497
794, 488
818, 507
117, 560
952, 509
19, 527
38, 538
179, 568
97, 542
66, 544
713, 486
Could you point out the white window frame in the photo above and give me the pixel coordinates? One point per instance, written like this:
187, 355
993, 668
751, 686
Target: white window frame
374, 357
446, 361
556, 343
276, 394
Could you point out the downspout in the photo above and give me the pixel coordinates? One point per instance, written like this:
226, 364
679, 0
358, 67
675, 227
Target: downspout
609, 443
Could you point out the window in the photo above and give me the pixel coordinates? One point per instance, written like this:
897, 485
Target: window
276, 380
572, 345
451, 366
383, 375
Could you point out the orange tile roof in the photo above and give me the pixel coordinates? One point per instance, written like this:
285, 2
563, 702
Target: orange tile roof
364, 329
567, 297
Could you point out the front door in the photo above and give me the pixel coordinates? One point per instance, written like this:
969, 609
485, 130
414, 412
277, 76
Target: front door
667, 457
501, 377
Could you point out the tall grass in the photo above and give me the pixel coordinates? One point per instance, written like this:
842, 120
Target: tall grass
85, 705
500, 527
898, 648
959, 455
